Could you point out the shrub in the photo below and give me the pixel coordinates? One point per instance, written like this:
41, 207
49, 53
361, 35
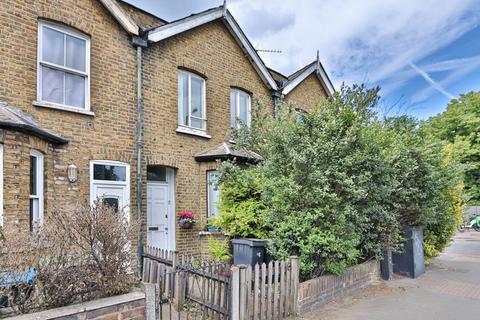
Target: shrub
219, 249
337, 186
78, 256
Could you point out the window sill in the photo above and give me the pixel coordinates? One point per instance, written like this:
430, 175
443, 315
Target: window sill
193, 132
62, 108
208, 233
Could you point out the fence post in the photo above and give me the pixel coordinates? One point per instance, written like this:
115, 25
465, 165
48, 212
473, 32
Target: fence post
295, 283
178, 288
151, 301
235, 293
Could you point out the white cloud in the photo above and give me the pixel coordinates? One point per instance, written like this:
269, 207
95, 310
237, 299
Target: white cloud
358, 40
432, 82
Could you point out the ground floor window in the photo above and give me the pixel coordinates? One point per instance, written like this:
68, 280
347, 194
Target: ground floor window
1, 185
36, 188
213, 193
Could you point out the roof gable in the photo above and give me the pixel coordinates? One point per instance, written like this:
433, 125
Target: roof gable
121, 16
299, 76
196, 20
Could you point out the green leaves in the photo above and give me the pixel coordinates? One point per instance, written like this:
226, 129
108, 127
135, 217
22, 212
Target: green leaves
336, 187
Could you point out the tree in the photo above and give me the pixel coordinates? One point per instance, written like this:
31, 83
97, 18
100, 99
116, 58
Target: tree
459, 125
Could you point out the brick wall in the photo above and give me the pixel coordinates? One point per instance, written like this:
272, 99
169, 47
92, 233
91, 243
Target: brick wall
307, 94
108, 135
211, 51
128, 306
319, 291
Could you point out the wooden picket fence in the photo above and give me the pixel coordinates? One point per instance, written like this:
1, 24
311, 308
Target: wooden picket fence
266, 291
200, 288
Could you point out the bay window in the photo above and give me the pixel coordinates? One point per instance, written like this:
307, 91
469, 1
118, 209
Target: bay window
240, 109
36, 188
63, 66
213, 194
191, 100
1, 185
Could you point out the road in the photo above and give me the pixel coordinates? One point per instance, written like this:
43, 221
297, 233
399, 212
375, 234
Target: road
449, 290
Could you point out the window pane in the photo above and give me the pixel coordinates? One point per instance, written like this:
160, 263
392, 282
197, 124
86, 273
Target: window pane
183, 99
233, 108
213, 193
33, 175
156, 173
52, 46
34, 212
52, 85
196, 123
74, 90
76, 53
111, 202
243, 114
110, 173
197, 97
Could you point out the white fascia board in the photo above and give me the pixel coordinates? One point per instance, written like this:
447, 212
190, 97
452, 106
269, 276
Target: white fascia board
124, 19
322, 76
183, 25
186, 24
326, 80
292, 85
250, 51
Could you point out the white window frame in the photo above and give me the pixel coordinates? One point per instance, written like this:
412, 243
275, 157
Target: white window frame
188, 126
237, 93
40, 63
39, 185
209, 195
1, 185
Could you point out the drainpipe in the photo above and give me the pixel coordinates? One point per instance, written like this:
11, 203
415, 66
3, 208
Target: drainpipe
139, 43
276, 99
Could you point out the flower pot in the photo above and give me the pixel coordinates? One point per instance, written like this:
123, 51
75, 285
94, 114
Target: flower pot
184, 224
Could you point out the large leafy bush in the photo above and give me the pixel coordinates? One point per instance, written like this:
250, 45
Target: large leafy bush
335, 186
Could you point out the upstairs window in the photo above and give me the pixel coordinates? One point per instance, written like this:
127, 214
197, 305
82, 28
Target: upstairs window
63, 66
240, 113
191, 100
36, 188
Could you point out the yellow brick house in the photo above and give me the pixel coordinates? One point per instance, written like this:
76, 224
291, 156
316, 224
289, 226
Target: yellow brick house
99, 98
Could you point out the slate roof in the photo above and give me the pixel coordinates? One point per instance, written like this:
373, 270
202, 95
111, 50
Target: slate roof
16, 120
225, 151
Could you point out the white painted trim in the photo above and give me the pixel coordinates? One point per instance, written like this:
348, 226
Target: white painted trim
61, 107
39, 183
299, 79
71, 32
193, 132
172, 29
251, 52
125, 183
237, 93
189, 76
1, 185
124, 19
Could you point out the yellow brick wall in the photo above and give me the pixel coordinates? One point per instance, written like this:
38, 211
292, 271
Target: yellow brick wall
211, 51
109, 135
307, 94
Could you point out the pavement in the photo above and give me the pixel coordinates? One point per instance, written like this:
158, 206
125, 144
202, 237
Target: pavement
449, 290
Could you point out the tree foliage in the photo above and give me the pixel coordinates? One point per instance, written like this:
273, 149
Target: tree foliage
459, 125
336, 186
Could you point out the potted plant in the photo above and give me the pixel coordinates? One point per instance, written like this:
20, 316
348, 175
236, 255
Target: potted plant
186, 219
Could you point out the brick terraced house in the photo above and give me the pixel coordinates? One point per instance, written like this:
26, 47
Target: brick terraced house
90, 87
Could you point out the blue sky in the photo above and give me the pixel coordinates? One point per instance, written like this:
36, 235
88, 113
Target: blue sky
421, 53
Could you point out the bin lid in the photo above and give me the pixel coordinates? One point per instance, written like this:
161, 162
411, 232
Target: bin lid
250, 242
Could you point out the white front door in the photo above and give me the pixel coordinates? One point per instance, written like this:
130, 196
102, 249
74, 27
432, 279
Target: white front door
160, 210
110, 183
